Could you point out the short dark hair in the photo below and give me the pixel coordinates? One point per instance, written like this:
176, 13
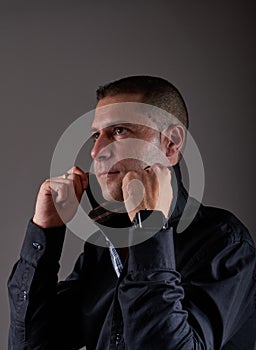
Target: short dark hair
154, 91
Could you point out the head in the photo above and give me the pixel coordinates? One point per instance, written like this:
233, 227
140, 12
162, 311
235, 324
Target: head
127, 136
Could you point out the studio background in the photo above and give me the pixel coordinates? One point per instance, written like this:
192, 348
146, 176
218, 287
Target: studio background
55, 54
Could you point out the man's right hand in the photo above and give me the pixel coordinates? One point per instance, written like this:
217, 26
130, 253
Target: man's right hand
58, 198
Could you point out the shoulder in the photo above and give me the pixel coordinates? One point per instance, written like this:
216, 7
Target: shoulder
213, 231
223, 223
217, 241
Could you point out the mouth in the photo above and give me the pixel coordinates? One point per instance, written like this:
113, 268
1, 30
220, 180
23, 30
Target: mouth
108, 173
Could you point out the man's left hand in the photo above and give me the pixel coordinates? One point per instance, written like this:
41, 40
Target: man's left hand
149, 189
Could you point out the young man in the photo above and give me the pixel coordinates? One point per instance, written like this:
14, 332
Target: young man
193, 290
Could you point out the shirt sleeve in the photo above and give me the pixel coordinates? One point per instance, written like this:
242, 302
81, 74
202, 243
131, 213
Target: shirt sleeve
201, 309
36, 298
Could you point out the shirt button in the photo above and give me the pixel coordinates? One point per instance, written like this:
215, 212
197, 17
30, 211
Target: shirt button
25, 295
36, 246
118, 338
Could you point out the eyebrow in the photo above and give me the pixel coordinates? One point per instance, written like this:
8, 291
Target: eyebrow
117, 122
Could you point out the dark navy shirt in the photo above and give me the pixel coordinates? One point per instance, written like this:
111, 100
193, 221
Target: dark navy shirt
192, 290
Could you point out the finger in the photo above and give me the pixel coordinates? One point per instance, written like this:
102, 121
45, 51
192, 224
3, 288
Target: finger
70, 186
59, 191
158, 166
74, 184
82, 175
153, 168
161, 170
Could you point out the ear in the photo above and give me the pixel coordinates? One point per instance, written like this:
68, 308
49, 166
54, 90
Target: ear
172, 140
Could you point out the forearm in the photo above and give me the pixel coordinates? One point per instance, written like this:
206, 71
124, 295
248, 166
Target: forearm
32, 286
188, 311
150, 297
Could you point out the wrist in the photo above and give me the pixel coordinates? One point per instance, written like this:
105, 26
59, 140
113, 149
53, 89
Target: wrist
150, 219
45, 224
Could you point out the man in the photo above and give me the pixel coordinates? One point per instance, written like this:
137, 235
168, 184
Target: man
193, 290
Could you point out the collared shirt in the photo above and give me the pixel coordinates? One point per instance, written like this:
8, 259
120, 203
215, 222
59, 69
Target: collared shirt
194, 290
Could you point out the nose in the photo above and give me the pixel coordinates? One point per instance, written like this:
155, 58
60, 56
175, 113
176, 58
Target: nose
102, 148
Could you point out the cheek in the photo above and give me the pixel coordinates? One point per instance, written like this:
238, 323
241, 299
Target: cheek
132, 164
132, 151
136, 157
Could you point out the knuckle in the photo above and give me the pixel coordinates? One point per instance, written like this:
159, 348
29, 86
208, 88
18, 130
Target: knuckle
130, 175
156, 167
74, 169
71, 176
160, 168
45, 184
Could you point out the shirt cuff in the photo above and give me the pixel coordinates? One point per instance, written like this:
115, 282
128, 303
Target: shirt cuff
156, 250
42, 243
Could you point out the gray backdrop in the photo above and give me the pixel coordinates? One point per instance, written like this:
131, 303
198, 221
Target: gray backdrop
55, 54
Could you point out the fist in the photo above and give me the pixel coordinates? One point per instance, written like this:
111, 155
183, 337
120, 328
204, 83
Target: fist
59, 197
148, 189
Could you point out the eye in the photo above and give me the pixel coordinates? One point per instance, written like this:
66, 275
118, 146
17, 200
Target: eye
120, 130
95, 136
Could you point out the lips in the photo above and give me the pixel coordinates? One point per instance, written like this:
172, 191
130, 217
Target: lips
108, 173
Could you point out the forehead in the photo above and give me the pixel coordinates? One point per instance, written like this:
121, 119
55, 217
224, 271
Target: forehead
126, 108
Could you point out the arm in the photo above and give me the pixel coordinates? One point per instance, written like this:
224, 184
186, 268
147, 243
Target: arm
43, 311
202, 309
44, 314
